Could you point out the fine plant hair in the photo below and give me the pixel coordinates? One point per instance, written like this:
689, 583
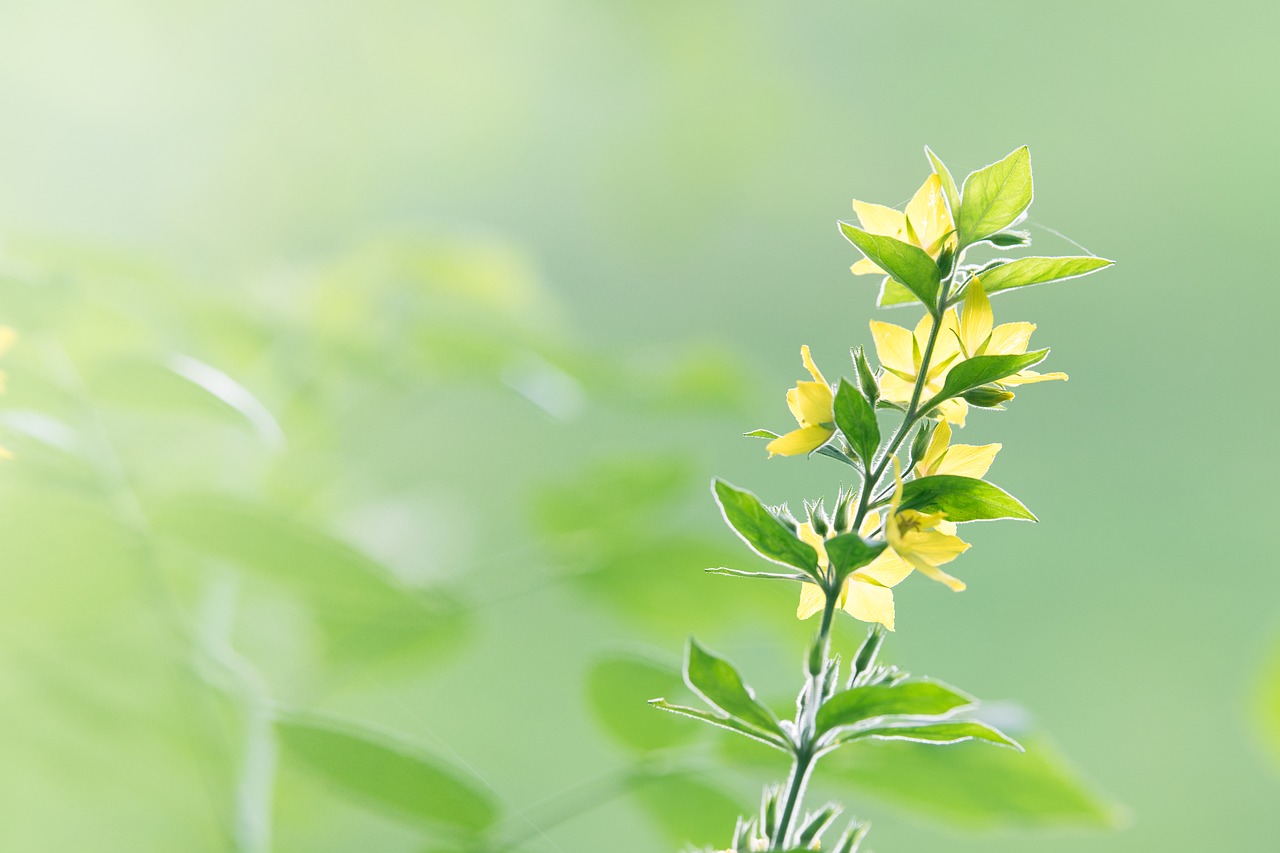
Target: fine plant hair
893, 425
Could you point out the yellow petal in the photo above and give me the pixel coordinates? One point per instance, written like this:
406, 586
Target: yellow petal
1030, 377
807, 358
811, 600
953, 412
967, 460
866, 267
928, 213
810, 537
889, 569
868, 602
7, 338
878, 219
937, 574
813, 400
895, 389
947, 346
977, 321
934, 453
799, 441
1010, 338
891, 531
869, 523
894, 347
932, 546
793, 403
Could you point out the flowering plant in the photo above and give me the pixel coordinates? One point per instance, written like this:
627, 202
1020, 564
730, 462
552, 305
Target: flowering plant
912, 488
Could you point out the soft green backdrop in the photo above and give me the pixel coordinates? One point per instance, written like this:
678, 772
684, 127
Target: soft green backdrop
466, 254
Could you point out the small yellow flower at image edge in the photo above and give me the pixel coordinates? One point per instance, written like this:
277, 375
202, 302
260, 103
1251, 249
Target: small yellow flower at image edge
811, 404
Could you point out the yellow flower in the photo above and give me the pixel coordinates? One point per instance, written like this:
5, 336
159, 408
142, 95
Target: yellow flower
811, 404
926, 223
867, 595
980, 336
901, 351
925, 540
960, 460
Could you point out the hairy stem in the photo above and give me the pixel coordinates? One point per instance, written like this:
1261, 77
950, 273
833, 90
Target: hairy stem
806, 757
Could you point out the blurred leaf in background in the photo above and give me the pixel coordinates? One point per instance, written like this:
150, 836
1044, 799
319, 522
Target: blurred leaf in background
472, 264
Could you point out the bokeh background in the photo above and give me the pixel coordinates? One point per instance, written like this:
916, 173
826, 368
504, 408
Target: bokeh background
373, 359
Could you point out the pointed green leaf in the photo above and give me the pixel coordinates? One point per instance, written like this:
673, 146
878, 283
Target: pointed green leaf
893, 294
972, 785
939, 734
730, 723
1025, 272
982, 369
994, 197
907, 264
736, 573
916, 698
857, 420
760, 529
715, 680
962, 499
849, 552
386, 774
948, 183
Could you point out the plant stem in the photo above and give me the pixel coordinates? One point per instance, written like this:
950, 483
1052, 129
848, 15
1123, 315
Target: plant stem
806, 717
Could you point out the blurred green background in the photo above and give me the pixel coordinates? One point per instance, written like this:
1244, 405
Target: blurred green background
374, 357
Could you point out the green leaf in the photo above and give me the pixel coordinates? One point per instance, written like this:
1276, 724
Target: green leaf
994, 197
962, 499
857, 420
737, 573
893, 294
365, 610
916, 698
386, 773
1025, 272
972, 785
938, 734
908, 264
948, 183
618, 691
849, 552
982, 369
760, 529
761, 433
715, 680
730, 723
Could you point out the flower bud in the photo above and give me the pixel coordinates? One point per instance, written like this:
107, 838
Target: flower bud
866, 377
988, 396
919, 444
